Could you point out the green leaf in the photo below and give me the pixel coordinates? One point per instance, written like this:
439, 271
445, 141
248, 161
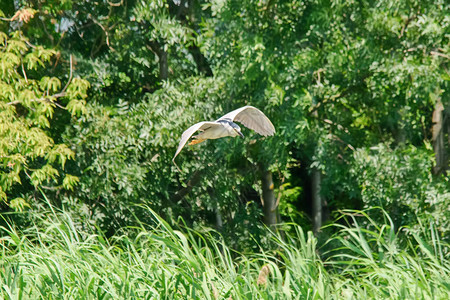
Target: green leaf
53, 84
32, 61
3, 38
70, 181
45, 173
19, 204
3, 196
16, 46
77, 88
77, 107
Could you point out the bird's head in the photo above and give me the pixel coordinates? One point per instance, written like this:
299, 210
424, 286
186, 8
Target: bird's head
237, 129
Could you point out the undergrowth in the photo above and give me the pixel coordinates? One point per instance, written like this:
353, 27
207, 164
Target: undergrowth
58, 260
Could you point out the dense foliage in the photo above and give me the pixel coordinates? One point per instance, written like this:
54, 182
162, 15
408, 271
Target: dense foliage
28, 153
94, 96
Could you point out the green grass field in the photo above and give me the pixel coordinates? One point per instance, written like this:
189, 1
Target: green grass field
62, 261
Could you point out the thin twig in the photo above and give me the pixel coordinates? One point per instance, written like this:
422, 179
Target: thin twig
106, 34
440, 54
30, 44
51, 188
24, 74
70, 76
340, 140
56, 96
179, 170
406, 25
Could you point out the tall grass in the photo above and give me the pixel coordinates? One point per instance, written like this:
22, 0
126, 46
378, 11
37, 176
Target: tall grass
57, 260
382, 263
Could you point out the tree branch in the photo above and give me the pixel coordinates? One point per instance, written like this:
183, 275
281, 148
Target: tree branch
24, 74
193, 181
158, 49
70, 75
56, 96
406, 25
105, 31
440, 54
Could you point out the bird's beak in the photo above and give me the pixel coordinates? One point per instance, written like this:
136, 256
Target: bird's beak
240, 133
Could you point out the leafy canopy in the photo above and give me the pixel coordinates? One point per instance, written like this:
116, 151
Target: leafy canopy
28, 100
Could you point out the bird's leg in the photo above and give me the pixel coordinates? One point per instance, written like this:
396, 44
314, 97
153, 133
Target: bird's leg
196, 141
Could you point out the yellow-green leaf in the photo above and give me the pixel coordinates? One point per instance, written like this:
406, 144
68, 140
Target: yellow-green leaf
70, 181
19, 204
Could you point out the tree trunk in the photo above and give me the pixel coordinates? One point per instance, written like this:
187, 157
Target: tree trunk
316, 201
438, 138
200, 61
163, 64
193, 181
269, 199
219, 222
217, 213
158, 49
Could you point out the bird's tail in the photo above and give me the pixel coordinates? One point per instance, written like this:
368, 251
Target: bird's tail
197, 141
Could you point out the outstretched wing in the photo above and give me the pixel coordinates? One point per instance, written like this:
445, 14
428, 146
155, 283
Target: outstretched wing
252, 118
189, 132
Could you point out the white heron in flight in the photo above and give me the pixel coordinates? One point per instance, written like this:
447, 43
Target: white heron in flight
249, 116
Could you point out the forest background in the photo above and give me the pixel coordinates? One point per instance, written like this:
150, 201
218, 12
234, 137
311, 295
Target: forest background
94, 96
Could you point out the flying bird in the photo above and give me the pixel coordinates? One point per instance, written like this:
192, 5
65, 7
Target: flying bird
249, 116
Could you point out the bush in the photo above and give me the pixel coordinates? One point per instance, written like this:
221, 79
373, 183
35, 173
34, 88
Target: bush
401, 182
